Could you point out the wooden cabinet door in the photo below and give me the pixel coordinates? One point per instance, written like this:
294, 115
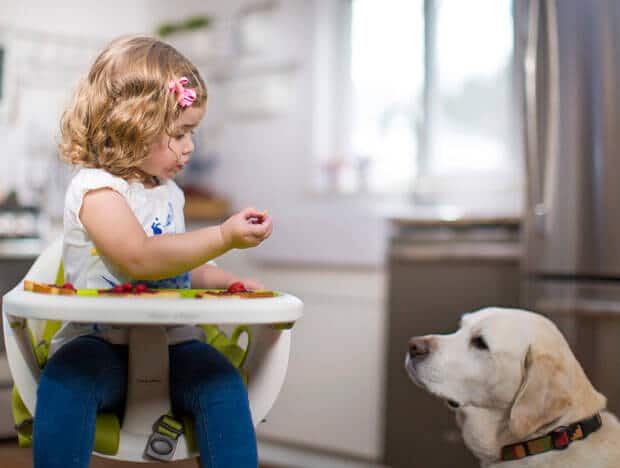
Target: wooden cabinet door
429, 297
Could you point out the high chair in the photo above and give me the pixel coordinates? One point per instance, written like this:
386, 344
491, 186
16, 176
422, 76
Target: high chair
149, 431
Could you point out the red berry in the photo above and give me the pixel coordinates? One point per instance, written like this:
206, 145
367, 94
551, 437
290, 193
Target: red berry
236, 287
127, 287
67, 286
140, 287
118, 288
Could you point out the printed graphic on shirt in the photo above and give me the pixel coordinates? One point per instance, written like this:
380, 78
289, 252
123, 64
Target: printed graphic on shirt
156, 225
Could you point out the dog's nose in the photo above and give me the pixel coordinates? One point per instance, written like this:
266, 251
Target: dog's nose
419, 347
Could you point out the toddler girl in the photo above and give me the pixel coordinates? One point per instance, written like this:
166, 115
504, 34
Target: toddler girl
129, 131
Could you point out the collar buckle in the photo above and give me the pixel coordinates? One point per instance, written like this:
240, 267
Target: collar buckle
561, 437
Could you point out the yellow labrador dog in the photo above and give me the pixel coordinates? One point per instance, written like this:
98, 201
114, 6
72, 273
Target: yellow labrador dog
520, 396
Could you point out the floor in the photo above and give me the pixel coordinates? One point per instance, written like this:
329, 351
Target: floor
11, 456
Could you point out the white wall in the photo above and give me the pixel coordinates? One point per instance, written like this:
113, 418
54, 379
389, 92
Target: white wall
333, 396
269, 162
82, 17
50, 44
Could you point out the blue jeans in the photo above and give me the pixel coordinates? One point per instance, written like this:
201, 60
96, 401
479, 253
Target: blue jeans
88, 375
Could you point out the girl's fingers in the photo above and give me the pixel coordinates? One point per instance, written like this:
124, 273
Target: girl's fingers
251, 283
249, 212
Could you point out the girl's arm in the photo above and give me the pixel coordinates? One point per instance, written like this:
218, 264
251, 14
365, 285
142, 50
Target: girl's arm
213, 277
118, 236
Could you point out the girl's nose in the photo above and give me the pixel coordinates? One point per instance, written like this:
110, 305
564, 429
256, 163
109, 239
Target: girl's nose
188, 148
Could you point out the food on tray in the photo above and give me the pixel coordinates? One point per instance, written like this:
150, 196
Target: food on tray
128, 289
66, 289
236, 289
242, 295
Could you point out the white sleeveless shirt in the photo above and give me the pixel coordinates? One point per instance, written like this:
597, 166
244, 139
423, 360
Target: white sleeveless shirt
159, 210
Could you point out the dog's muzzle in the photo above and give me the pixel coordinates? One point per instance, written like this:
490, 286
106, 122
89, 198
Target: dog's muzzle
419, 347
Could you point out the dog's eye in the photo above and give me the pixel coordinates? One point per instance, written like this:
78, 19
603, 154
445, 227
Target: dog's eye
479, 343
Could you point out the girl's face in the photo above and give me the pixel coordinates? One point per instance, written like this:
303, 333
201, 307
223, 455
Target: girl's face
169, 154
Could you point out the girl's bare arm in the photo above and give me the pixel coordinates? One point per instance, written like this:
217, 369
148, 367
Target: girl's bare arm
118, 236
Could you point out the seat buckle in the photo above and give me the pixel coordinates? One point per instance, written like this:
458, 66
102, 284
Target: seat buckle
163, 441
160, 447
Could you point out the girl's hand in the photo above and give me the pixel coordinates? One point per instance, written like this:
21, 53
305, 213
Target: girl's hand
248, 228
250, 284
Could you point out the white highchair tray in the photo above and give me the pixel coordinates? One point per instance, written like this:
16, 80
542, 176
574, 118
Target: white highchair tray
132, 310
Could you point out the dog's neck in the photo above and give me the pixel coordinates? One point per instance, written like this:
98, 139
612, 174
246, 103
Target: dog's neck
485, 430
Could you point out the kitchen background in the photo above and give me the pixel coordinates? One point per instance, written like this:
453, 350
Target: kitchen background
385, 139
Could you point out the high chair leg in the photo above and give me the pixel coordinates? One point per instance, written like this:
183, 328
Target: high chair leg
148, 390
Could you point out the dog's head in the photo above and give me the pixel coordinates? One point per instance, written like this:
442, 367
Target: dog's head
506, 360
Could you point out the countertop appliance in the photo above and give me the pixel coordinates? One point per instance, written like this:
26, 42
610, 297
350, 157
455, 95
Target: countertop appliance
568, 63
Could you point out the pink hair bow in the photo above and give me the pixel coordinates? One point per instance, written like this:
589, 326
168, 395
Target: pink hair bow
186, 96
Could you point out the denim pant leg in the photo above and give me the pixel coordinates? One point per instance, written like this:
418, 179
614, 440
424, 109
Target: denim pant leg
84, 376
205, 385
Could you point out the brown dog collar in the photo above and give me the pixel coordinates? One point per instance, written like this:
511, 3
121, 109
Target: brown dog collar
558, 439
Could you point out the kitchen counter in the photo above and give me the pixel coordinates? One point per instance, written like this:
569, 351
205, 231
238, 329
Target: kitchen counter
30, 248
437, 234
450, 216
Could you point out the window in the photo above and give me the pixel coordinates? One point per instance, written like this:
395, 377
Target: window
7, 87
425, 101
3, 78
1, 72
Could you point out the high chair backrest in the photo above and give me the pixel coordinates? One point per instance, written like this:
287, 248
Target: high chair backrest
265, 363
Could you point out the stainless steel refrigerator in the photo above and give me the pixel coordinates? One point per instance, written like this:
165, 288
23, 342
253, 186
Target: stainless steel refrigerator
568, 58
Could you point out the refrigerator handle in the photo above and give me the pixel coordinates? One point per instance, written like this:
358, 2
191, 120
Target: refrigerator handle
541, 184
530, 64
552, 127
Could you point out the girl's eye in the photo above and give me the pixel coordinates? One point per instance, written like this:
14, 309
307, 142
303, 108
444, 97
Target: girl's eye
478, 342
180, 136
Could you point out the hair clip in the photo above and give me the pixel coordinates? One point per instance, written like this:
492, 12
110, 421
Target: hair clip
186, 96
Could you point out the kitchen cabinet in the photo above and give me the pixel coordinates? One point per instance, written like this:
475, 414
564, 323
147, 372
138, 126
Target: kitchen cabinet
439, 270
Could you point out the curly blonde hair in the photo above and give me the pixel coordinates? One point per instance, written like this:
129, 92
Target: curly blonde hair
124, 104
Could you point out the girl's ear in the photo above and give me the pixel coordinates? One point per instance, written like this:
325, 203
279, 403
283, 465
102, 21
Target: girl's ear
544, 394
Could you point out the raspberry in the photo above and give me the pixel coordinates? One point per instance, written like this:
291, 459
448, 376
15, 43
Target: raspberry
236, 287
118, 288
67, 286
140, 288
257, 219
127, 287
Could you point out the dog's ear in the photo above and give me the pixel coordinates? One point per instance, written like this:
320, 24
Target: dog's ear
543, 396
